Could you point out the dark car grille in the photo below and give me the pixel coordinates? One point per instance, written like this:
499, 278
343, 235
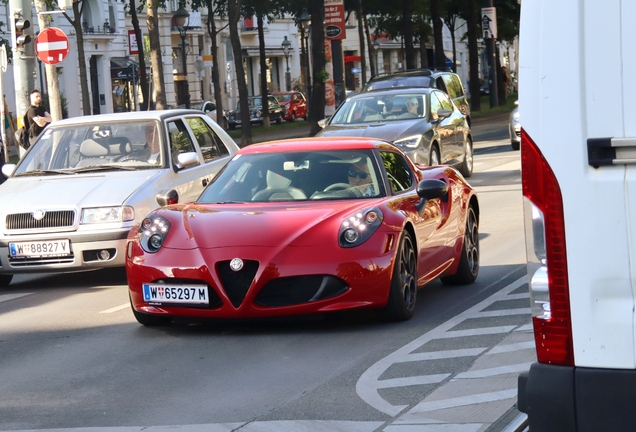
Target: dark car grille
236, 283
52, 219
299, 289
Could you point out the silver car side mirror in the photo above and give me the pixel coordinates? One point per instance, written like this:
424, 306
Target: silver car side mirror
7, 169
186, 160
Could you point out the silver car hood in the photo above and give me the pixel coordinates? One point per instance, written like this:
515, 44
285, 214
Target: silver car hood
389, 131
19, 194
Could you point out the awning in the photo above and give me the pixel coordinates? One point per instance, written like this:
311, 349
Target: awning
349, 59
449, 60
123, 68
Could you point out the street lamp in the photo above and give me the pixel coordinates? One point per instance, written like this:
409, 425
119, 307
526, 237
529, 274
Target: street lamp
286, 46
376, 47
180, 16
305, 21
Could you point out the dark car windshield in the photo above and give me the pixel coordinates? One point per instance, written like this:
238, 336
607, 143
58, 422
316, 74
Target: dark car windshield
315, 175
408, 81
385, 107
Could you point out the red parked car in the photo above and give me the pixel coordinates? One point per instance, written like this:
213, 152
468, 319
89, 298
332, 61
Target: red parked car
295, 104
305, 226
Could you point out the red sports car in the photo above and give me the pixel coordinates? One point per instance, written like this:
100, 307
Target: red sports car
295, 104
305, 226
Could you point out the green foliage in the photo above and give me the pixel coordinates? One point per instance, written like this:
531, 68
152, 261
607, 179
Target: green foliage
47, 106
322, 76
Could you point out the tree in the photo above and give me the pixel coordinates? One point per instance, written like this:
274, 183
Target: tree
472, 17
263, 64
143, 76
159, 87
407, 25
233, 12
436, 17
76, 22
317, 100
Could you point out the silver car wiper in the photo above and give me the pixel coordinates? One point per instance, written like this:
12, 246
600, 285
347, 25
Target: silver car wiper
103, 168
42, 173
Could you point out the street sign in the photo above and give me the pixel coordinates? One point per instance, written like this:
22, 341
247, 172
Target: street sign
51, 46
489, 22
356, 70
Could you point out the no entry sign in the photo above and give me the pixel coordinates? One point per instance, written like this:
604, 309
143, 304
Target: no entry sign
51, 46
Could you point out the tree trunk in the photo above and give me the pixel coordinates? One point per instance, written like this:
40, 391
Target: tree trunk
317, 101
52, 79
363, 63
143, 75
81, 55
452, 31
501, 86
159, 88
261, 52
216, 79
440, 57
233, 11
473, 56
407, 28
373, 58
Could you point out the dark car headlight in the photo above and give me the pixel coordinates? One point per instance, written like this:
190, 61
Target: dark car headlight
359, 227
410, 142
153, 232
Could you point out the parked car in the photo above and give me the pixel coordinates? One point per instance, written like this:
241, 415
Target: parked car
276, 111
442, 79
435, 133
295, 104
209, 108
69, 203
306, 226
514, 127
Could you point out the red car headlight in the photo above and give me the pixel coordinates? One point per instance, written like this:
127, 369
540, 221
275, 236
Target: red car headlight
359, 227
153, 232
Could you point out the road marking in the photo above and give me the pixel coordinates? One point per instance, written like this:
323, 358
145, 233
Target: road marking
369, 382
428, 427
116, 308
482, 373
7, 297
512, 347
412, 380
503, 312
437, 355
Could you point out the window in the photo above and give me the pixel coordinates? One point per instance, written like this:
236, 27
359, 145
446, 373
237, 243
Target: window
436, 105
210, 144
397, 170
180, 141
445, 101
454, 86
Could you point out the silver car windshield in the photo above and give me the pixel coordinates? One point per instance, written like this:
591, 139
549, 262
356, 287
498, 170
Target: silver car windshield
95, 146
381, 108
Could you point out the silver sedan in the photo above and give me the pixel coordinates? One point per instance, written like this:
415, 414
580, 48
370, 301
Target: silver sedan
70, 202
514, 128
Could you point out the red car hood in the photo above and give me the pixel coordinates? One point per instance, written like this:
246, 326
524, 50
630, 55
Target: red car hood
269, 225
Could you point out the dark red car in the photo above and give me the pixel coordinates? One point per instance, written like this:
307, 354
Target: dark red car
305, 226
295, 104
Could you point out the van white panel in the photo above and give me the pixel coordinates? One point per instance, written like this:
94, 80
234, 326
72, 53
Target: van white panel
573, 86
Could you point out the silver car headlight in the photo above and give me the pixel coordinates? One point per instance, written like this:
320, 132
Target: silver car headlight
515, 116
107, 214
410, 142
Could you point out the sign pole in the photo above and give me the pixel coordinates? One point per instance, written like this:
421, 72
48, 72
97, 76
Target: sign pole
489, 27
3, 114
52, 78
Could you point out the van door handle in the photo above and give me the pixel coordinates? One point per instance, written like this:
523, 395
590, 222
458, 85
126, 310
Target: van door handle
611, 151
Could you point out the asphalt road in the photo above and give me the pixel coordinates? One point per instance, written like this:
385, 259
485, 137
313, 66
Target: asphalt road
72, 355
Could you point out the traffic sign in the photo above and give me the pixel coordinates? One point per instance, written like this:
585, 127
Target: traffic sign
51, 46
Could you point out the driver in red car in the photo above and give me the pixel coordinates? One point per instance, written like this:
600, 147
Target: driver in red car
360, 178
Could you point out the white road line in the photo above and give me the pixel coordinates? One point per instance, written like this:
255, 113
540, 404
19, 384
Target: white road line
511, 347
527, 327
116, 308
412, 380
436, 355
369, 382
503, 312
520, 296
423, 407
500, 370
477, 332
7, 297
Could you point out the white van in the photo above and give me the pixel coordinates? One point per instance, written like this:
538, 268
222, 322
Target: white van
577, 78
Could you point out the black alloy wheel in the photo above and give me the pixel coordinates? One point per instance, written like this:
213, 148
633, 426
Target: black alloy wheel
469, 262
403, 291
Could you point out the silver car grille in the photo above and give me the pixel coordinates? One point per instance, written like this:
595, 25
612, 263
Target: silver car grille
51, 219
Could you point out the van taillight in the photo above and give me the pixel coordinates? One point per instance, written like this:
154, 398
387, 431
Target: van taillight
547, 259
